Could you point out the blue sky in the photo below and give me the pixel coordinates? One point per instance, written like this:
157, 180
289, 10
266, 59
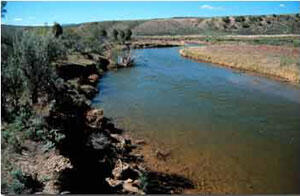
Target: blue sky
39, 13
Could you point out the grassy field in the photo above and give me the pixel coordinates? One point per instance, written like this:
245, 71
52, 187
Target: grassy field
280, 62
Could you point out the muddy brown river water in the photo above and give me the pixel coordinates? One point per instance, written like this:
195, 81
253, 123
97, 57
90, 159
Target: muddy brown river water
237, 132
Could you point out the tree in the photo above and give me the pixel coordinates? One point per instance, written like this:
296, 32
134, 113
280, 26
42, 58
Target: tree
3, 10
226, 19
122, 36
128, 34
115, 34
98, 34
240, 19
57, 30
103, 33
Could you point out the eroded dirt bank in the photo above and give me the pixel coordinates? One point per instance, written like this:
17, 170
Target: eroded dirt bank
93, 156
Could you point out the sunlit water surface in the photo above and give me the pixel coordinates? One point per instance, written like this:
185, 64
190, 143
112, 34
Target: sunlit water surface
239, 132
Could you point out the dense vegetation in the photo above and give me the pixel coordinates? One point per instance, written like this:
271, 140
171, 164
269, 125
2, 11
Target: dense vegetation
33, 92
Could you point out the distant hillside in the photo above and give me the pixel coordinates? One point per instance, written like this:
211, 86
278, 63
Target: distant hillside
242, 25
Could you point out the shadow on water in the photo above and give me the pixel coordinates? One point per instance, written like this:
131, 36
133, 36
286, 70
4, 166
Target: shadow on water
158, 182
94, 159
90, 181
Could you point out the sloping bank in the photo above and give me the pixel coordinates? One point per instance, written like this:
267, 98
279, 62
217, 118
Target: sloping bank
102, 158
278, 62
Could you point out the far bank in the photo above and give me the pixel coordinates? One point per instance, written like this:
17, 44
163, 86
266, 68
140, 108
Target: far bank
278, 62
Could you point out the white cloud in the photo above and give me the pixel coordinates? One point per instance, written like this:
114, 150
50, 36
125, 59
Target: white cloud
281, 5
209, 7
18, 19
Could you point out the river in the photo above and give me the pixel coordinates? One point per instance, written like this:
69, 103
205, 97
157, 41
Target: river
238, 132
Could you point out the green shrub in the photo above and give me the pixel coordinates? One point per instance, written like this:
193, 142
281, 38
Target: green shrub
12, 133
240, 19
115, 34
121, 35
24, 184
144, 182
296, 43
33, 55
128, 34
17, 187
226, 19
253, 19
246, 25
103, 33
12, 87
11, 140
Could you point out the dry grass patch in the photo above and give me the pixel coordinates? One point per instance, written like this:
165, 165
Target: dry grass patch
277, 61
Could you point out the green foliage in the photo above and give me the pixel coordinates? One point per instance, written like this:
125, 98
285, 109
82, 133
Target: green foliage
9, 138
71, 41
253, 18
33, 55
240, 19
98, 34
246, 25
226, 19
28, 71
24, 184
57, 30
95, 40
144, 182
12, 86
17, 187
128, 34
103, 33
115, 34
12, 133
121, 35
296, 43
45, 178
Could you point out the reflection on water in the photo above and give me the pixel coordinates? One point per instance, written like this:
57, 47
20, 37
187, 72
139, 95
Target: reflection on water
239, 132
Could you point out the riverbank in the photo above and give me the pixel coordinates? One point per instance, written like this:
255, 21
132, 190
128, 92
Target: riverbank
93, 155
137, 44
278, 62
129, 172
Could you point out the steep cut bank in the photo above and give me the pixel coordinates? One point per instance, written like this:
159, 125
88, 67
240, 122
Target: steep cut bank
101, 157
278, 62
